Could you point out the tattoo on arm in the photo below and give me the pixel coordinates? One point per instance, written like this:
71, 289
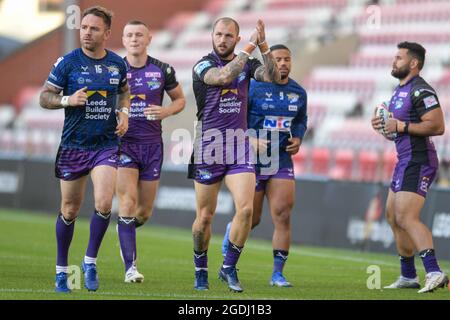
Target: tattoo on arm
223, 76
271, 72
124, 97
199, 241
50, 97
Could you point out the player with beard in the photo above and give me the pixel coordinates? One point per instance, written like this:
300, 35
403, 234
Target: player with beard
417, 116
220, 83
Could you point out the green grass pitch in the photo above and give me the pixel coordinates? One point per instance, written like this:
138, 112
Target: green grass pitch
28, 249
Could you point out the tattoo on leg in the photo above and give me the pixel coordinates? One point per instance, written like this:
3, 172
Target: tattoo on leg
199, 241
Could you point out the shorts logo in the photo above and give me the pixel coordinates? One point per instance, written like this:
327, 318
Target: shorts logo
424, 184
277, 123
204, 174
124, 159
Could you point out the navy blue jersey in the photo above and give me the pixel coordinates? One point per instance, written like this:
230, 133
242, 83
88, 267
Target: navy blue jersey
90, 126
281, 108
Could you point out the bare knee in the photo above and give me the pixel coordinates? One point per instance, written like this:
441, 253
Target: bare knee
128, 206
403, 221
103, 205
282, 217
204, 219
70, 209
245, 212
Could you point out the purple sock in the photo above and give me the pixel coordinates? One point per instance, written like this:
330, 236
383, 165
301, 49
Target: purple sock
201, 259
99, 225
279, 259
232, 255
127, 237
429, 261
64, 234
408, 269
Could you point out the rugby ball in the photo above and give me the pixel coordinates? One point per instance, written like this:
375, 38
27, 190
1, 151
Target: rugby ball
382, 111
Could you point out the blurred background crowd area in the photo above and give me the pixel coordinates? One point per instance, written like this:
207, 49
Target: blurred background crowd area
342, 55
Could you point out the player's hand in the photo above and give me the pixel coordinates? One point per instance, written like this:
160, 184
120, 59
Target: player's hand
254, 38
154, 112
391, 125
259, 145
122, 125
261, 31
79, 98
294, 145
377, 122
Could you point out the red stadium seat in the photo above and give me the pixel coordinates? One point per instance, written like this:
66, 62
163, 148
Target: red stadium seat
343, 166
368, 165
320, 161
389, 162
300, 161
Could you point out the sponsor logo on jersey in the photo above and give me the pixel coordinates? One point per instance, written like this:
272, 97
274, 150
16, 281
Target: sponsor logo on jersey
80, 80
140, 96
154, 84
103, 93
277, 123
398, 104
113, 70
403, 94
430, 102
138, 82
268, 96
293, 107
153, 74
225, 91
293, 97
85, 70
114, 81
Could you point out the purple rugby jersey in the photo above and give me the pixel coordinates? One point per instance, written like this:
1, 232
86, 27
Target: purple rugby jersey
147, 86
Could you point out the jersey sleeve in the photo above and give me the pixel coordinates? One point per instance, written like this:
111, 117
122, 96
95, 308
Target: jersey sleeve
424, 99
170, 78
300, 122
202, 66
254, 65
123, 74
59, 74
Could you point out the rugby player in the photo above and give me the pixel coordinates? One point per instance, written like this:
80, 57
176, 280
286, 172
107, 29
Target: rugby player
94, 91
220, 83
141, 149
281, 108
417, 116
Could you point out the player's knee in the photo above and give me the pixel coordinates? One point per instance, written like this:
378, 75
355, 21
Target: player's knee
128, 205
402, 221
70, 210
103, 206
205, 218
283, 218
245, 212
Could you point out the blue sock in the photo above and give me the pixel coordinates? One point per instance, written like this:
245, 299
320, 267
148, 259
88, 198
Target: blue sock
408, 269
64, 235
201, 259
99, 225
232, 255
279, 260
126, 229
429, 261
